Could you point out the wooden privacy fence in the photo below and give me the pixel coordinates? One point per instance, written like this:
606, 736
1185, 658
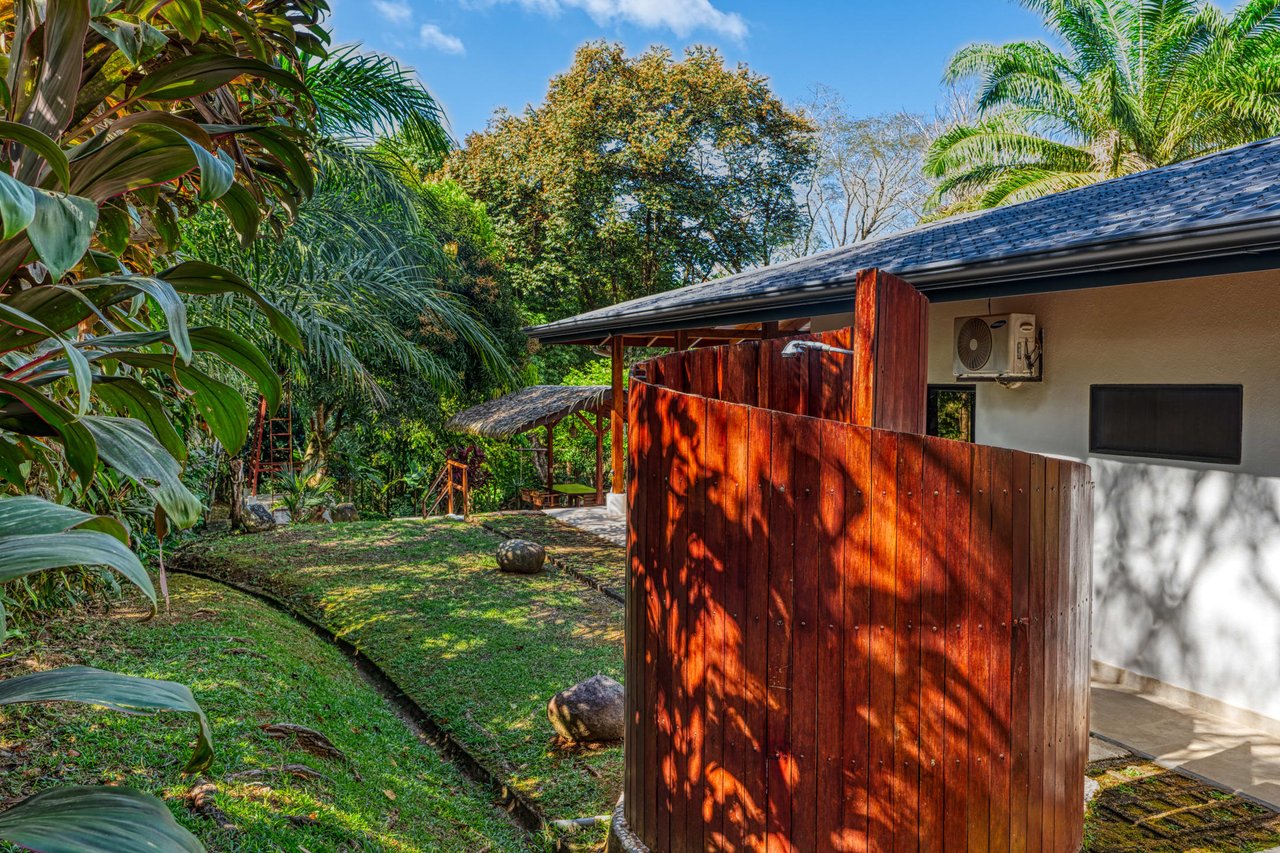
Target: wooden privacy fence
842, 636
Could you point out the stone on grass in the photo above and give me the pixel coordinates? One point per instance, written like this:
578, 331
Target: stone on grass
346, 512
591, 711
1091, 789
256, 518
521, 556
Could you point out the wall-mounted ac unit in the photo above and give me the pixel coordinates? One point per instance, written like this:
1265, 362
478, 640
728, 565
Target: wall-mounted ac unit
997, 348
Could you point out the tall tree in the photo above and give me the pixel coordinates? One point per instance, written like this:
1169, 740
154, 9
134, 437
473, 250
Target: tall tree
1131, 85
867, 179
638, 174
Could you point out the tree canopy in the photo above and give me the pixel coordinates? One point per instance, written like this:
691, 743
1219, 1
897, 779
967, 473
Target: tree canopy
638, 174
1131, 86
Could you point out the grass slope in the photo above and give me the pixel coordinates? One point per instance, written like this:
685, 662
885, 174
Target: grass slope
248, 665
480, 650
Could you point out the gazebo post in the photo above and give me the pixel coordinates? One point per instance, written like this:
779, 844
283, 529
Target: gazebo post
551, 474
599, 459
617, 424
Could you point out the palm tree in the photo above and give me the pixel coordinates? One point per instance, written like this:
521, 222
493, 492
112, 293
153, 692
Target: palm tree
356, 271
1139, 84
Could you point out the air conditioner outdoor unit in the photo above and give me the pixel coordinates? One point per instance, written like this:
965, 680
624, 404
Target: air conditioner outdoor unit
997, 348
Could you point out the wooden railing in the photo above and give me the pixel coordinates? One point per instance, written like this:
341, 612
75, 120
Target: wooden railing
842, 636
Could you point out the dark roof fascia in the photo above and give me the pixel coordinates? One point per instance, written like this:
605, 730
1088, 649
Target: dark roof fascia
1217, 251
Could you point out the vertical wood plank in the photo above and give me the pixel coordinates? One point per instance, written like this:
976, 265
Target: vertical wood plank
634, 640
737, 737
1036, 675
1001, 648
802, 693
780, 603
1053, 665
693, 668
756, 763
906, 642
958, 460
831, 708
882, 808
933, 623
858, 666
981, 728
718, 499
1020, 685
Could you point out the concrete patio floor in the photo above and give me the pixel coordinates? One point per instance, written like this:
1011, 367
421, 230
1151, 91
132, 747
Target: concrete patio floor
1214, 749
593, 519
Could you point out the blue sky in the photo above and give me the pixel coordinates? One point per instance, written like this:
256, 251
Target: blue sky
477, 55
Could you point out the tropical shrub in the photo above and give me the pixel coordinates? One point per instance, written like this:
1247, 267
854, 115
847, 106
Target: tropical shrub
121, 118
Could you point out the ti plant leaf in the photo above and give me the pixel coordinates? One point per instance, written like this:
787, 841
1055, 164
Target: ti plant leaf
61, 230
128, 446
124, 693
29, 553
84, 819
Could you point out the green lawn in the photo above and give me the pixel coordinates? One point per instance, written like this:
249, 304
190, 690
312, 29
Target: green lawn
479, 650
248, 665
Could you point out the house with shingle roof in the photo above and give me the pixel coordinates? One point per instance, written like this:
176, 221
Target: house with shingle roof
1154, 356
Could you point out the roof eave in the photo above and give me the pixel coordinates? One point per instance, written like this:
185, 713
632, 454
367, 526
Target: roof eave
1077, 267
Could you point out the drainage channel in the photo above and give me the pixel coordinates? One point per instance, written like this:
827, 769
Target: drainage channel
524, 813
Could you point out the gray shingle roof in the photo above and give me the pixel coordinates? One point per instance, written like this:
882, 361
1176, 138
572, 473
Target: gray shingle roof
1210, 207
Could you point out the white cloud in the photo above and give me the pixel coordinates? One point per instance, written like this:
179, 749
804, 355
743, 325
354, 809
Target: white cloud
432, 36
680, 16
395, 11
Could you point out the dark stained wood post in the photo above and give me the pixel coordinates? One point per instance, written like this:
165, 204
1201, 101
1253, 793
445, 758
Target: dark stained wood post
551, 474
617, 420
599, 458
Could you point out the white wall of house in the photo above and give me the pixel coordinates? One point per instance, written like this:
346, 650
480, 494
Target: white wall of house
1187, 555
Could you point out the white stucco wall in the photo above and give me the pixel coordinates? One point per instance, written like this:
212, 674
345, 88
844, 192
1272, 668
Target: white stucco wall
1187, 556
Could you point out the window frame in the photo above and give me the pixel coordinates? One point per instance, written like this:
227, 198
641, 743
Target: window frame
931, 414
1095, 416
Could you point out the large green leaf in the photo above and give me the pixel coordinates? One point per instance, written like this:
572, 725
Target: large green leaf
29, 514
83, 819
76, 363
242, 355
276, 140
113, 228
124, 693
61, 230
40, 144
127, 396
206, 279
14, 464
77, 443
243, 212
17, 206
175, 311
54, 100
217, 172
137, 42
29, 553
128, 446
186, 17
221, 406
200, 73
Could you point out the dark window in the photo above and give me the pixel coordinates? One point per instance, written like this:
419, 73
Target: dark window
1198, 423
950, 411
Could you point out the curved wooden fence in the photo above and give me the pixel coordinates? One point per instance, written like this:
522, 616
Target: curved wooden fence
843, 637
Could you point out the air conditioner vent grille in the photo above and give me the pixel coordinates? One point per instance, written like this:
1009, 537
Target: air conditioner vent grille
973, 344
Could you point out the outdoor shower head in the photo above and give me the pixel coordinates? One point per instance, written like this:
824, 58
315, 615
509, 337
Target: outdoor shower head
794, 348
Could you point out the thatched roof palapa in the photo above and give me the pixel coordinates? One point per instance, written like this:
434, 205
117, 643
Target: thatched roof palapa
535, 406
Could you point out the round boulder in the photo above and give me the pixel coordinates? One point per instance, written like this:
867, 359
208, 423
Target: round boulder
591, 711
256, 518
346, 512
521, 556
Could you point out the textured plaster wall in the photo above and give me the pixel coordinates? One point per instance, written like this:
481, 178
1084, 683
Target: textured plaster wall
1187, 556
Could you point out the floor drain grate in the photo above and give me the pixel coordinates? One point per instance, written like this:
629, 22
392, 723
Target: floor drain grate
1169, 807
